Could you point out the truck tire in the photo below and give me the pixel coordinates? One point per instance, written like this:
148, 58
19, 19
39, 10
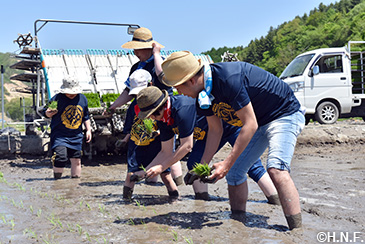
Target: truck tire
326, 113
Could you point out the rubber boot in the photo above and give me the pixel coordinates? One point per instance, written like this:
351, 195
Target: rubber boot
294, 221
57, 175
202, 196
127, 192
274, 199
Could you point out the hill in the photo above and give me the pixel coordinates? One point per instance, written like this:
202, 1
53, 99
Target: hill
326, 26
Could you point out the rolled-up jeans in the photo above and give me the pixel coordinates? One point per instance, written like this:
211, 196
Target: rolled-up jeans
280, 136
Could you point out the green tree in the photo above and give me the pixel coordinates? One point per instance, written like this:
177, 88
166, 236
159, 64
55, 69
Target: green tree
14, 108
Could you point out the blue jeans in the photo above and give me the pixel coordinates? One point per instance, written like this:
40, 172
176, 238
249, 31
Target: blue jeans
280, 136
255, 172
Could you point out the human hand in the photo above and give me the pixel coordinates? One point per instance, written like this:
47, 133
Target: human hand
138, 176
156, 48
220, 171
88, 136
51, 112
154, 171
108, 111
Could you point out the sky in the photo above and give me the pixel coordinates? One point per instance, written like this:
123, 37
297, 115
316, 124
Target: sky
197, 26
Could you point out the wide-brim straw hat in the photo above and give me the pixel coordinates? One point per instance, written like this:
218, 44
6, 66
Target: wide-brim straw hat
149, 100
142, 38
70, 86
179, 67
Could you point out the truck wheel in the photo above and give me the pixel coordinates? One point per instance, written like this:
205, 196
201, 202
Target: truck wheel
326, 113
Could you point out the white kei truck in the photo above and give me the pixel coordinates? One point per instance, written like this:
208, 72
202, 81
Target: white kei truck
329, 82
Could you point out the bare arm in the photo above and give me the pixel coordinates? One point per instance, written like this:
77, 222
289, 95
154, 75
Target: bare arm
157, 58
214, 136
166, 157
123, 98
88, 130
248, 118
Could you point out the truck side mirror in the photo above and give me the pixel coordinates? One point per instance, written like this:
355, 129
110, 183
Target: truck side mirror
315, 70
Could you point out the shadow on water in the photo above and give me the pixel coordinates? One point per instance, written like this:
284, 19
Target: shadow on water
198, 220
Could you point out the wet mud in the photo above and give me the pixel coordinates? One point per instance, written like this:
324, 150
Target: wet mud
328, 170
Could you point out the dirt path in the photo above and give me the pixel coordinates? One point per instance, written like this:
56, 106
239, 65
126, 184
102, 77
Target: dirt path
328, 170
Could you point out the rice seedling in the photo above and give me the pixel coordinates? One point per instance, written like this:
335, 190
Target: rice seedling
39, 213
3, 218
148, 123
175, 236
130, 221
203, 170
188, 240
102, 209
70, 228
79, 229
88, 236
12, 224
53, 105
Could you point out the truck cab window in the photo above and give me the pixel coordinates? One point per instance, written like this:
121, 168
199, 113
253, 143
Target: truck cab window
330, 64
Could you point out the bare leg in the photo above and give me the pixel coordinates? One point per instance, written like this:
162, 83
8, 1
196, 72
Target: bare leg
266, 185
201, 190
268, 188
176, 173
75, 167
128, 186
169, 182
238, 197
57, 172
288, 194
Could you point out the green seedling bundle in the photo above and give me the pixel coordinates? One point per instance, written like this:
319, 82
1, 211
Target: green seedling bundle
53, 105
149, 124
202, 170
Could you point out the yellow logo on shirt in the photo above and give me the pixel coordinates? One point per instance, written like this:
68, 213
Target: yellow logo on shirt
72, 116
227, 113
199, 134
139, 134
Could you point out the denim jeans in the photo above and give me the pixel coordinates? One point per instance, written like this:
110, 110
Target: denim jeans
256, 171
280, 136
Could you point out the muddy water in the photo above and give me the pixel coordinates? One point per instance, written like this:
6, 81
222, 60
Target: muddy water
34, 208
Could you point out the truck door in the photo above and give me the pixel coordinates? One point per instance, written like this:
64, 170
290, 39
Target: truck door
332, 82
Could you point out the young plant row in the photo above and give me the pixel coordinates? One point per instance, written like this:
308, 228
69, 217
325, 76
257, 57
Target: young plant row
54, 220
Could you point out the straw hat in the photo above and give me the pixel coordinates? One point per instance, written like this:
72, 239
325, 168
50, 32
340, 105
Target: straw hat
139, 79
142, 38
70, 86
179, 67
149, 99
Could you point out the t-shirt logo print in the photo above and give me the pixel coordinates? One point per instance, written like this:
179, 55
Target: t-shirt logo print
138, 135
72, 116
227, 113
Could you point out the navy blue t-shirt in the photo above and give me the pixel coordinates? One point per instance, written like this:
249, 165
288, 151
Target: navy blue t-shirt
201, 129
235, 84
66, 124
183, 113
150, 67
